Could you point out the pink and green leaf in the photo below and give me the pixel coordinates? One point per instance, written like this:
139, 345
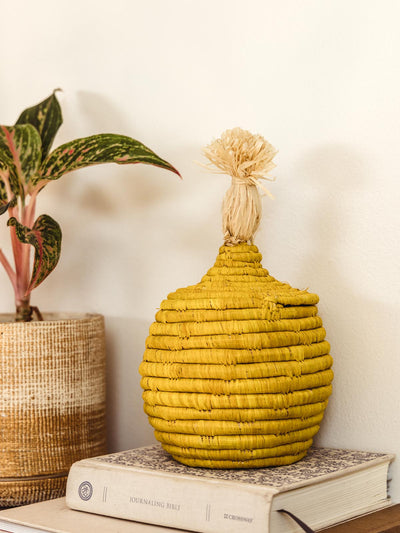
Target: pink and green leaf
4, 205
3, 191
96, 149
45, 237
46, 117
20, 153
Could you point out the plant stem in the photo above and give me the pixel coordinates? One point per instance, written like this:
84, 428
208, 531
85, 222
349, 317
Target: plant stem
8, 269
29, 214
24, 310
24, 212
18, 276
27, 217
20, 251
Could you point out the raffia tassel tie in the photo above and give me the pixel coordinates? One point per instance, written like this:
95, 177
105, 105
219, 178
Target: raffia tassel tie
247, 158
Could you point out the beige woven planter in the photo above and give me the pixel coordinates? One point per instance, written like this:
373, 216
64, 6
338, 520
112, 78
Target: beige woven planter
52, 403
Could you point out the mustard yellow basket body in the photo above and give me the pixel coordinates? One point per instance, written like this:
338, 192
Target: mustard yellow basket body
237, 371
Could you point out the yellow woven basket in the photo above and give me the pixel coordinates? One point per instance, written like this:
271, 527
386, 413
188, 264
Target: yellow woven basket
237, 371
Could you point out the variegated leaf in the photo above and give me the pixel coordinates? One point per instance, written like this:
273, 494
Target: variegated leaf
102, 148
3, 173
20, 152
4, 205
46, 117
45, 237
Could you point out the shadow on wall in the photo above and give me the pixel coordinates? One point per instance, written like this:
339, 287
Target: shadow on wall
114, 187
359, 328
334, 178
127, 424
99, 113
131, 218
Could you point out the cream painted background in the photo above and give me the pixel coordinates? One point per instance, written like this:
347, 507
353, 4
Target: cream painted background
319, 79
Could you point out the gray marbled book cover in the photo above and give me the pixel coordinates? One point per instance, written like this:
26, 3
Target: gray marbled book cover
318, 463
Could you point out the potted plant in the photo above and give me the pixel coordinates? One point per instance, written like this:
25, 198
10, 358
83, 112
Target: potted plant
52, 367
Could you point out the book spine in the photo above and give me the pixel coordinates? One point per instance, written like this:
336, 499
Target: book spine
172, 501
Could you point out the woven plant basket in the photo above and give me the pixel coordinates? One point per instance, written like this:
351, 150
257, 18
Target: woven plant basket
237, 371
52, 403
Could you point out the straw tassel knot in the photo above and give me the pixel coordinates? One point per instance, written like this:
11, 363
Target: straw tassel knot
247, 158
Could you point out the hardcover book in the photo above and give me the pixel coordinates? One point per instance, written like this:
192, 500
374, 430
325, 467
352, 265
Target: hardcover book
53, 516
147, 485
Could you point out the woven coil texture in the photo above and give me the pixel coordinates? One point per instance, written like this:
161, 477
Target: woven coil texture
236, 371
52, 404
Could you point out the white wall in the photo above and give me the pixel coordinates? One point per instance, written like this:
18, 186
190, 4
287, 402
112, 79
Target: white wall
319, 79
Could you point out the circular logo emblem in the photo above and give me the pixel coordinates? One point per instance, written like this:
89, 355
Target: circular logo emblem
85, 490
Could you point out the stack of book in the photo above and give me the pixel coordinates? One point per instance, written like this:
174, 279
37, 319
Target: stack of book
140, 490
